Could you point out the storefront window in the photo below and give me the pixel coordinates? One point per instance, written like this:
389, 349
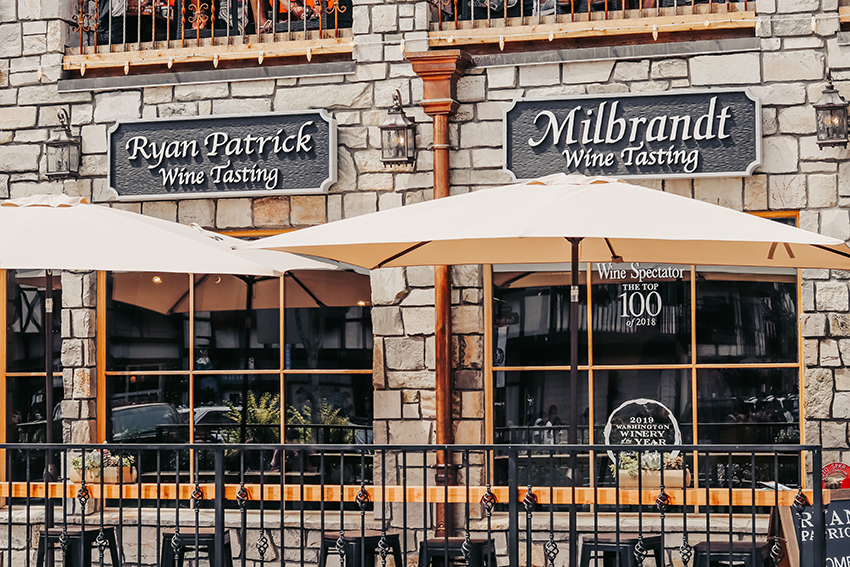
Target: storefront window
702, 370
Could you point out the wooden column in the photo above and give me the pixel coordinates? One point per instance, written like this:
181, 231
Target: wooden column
440, 71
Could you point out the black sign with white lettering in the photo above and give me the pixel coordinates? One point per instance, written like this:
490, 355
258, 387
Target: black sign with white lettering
837, 534
685, 134
223, 156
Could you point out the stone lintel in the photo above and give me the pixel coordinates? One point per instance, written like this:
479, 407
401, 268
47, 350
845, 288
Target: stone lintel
439, 71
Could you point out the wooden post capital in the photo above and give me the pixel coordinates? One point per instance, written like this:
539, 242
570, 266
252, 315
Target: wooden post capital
439, 71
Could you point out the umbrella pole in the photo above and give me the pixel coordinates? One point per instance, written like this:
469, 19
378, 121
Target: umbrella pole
49, 468
573, 437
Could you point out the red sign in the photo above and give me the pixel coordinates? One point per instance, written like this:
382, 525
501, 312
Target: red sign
836, 475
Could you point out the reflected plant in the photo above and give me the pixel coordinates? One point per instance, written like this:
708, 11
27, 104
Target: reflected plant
264, 412
650, 461
327, 414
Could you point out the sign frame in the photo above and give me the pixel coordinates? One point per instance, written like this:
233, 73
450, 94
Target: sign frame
757, 132
330, 179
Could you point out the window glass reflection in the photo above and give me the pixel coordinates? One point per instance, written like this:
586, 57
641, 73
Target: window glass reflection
147, 324
221, 415
748, 405
668, 388
746, 318
533, 406
329, 338
236, 322
531, 316
641, 314
329, 408
25, 322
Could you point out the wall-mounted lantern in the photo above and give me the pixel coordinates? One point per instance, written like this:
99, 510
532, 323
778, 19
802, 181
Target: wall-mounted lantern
63, 151
398, 135
831, 116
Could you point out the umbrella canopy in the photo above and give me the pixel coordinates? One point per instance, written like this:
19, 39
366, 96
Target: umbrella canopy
531, 223
68, 233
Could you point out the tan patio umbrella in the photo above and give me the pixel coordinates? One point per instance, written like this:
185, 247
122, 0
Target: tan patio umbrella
68, 233
532, 222
551, 219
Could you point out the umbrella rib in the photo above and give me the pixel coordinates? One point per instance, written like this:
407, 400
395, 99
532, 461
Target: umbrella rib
616, 258
307, 291
513, 280
821, 247
185, 295
402, 253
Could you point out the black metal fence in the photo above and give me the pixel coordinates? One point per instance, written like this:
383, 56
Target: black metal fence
352, 505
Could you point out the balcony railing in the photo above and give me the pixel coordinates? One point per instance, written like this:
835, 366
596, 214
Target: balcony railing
492, 21
515, 505
169, 32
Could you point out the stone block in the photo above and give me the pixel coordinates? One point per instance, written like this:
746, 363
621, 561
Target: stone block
731, 69
780, 155
467, 319
19, 157
829, 355
470, 88
472, 405
384, 18
271, 212
831, 296
241, 106
18, 117
386, 321
419, 276
388, 285
817, 389
117, 105
835, 223
201, 91
306, 210
197, 211
540, 75
787, 192
83, 432
405, 353
233, 213
94, 139
840, 410
834, 434
628, 71
418, 320
389, 201
755, 193
411, 432
251, 89
176, 109
357, 204
387, 404
669, 68
165, 210
810, 352
466, 276
156, 95
582, 73
416, 380
792, 66
723, 191
797, 120
823, 191
477, 134
11, 40
842, 379
467, 351
813, 324
419, 297
346, 97
83, 323
839, 325
501, 77
468, 432
379, 376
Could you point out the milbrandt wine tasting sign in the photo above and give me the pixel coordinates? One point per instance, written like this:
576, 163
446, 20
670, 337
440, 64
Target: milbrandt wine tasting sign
672, 134
220, 156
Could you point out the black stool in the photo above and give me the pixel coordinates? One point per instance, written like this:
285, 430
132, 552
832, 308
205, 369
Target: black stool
353, 542
746, 552
608, 548
435, 549
206, 542
50, 537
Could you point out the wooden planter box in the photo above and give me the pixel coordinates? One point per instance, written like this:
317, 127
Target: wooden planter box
110, 475
652, 479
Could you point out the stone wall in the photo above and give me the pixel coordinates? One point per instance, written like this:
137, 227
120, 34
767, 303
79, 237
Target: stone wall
786, 74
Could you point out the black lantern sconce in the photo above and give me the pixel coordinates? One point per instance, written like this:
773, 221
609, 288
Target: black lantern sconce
831, 116
398, 135
63, 151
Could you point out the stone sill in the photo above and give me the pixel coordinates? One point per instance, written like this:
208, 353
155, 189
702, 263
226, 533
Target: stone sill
157, 55
556, 27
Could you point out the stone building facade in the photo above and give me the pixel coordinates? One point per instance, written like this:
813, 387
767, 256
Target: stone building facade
782, 58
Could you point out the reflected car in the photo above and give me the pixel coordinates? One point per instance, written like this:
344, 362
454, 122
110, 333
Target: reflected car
143, 423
